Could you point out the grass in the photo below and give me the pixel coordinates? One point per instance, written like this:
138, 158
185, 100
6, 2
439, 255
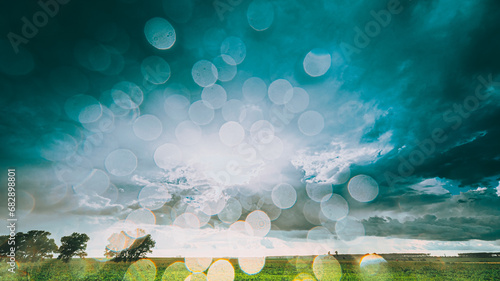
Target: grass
275, 269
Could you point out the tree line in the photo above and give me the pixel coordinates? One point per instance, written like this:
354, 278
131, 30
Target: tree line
36, 245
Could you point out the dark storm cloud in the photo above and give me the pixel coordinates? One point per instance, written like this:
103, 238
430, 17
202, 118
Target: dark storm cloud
432, 73
429, 227
469, 215
421, 69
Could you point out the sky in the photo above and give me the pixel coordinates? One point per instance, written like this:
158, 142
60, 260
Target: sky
244, 128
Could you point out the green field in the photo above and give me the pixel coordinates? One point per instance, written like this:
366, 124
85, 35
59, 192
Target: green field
291, 268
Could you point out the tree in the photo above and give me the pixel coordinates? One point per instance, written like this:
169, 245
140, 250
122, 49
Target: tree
137, 250
37, 245
31, 246
73, 245
5, 246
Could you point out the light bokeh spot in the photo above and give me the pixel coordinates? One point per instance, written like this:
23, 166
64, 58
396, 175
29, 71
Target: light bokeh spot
204, 73
254, 89
187, 220
226, 67
121, 162
138, 218
363, 188
141, 270
221, 270
260, 14
311, 123
280, 91
215, 96
231, 133
127, 95
147, 127
160, 33
284, 195
234, 48
317, 62
231, 212
167, 156
201, 112
327, 268
262, 132
372, 265
319, 233
312, 212
299, 101
319, 191
95, 183
335, 208
260, 223
251, 265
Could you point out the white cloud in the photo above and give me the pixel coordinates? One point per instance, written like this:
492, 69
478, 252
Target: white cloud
431, 186
97, 205
332, 164
480, 189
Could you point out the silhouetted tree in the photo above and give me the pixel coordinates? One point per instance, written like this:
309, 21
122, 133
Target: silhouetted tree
4, 246
138, 250
31, 246
73, 245
36, 245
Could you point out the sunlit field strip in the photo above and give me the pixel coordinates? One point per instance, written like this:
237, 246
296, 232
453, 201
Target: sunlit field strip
276, 268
